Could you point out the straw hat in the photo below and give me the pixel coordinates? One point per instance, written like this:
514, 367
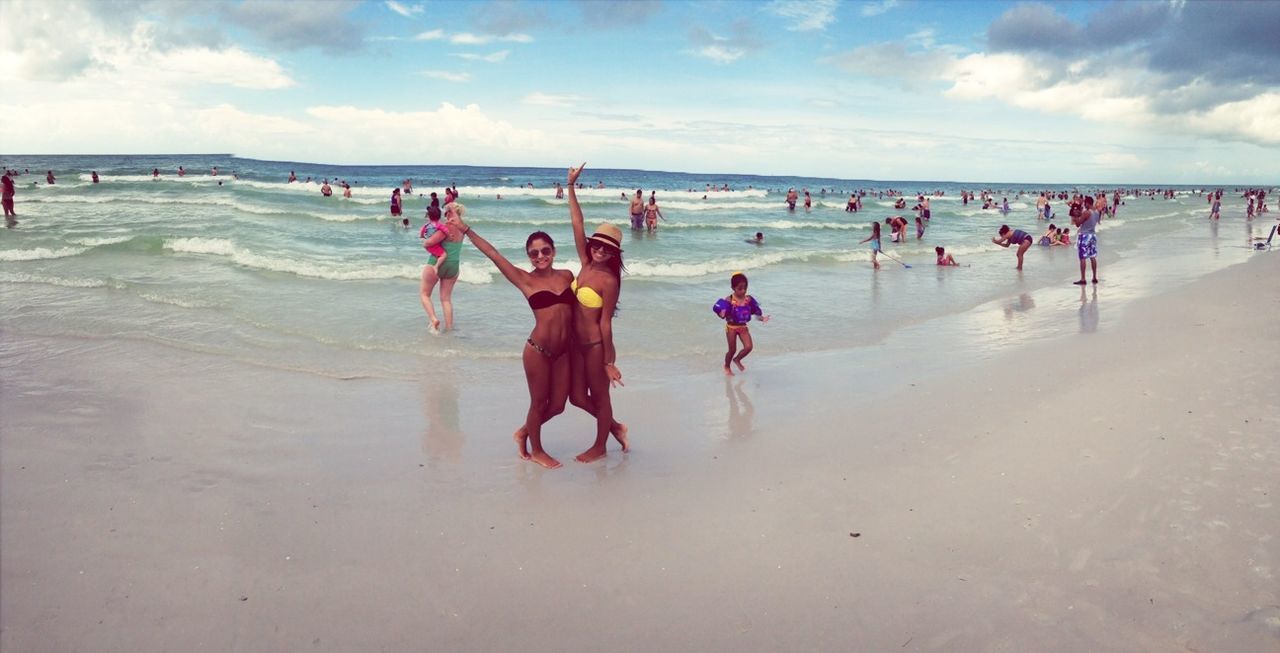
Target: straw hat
609, 235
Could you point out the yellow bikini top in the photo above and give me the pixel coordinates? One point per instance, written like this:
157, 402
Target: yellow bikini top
587, 296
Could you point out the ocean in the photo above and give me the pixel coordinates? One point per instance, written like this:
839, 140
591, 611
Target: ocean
259, 270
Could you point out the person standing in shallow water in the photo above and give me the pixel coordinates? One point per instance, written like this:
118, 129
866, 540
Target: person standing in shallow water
637, 210
1087, 239
448, 273
1014, 238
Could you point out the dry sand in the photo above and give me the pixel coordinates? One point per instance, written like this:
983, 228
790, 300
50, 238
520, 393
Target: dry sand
1107, 490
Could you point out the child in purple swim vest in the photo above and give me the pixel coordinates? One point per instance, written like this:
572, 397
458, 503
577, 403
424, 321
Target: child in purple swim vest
736, 310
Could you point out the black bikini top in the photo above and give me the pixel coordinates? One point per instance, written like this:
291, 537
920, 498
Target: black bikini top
545, 298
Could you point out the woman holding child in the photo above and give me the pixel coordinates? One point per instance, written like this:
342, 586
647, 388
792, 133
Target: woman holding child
441, 269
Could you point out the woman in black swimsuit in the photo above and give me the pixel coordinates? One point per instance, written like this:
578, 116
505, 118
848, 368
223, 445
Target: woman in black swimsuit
546, 365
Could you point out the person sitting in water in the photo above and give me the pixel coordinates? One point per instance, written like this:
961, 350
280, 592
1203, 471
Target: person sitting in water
1050, 236
900, 204
1064, 237
944, 258
758, 240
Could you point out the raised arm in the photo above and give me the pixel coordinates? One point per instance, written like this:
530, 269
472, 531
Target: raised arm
575, 216
517, 277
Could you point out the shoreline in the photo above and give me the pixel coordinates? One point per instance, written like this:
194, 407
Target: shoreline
263, 509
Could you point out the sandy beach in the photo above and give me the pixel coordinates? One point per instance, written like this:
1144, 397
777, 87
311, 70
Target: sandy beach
1112, 489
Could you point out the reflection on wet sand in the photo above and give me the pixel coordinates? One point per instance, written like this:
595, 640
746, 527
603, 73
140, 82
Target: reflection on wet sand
1088, 309
443, 438
1022, 304
742, 412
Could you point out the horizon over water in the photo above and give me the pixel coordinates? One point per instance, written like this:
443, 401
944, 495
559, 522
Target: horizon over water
272, 273
881, 183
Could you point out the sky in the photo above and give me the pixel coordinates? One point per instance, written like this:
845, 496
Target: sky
1132, 92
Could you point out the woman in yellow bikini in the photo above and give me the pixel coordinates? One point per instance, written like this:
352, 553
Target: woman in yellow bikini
596, 289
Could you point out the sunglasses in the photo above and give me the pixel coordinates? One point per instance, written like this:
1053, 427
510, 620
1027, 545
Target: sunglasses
595, 244
545, 251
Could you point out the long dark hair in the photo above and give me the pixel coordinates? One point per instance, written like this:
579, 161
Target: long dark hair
616, 267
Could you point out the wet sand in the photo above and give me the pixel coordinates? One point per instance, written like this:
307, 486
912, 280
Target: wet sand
1112, 489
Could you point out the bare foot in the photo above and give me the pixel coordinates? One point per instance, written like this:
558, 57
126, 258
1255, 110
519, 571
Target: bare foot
543, 458
727, 371
591, 455
741, 368
435, 325
521, 436
619, 431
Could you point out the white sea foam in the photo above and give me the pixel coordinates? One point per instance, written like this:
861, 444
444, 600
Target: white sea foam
661, 269
39, 253
181, 302
98, 242
12, 277
339, 271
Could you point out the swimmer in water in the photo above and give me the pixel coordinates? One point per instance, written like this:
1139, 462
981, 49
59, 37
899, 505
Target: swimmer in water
758, 240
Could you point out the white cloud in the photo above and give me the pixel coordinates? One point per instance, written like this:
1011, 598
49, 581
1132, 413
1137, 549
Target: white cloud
1118, 160
430, 35
496, 57
1257, 119
982, 75
806, 15
877, 8
382, 134
1117, 91
407, 12
742, 40
549, 100
467, 38
446, 75
719, 53
230, 67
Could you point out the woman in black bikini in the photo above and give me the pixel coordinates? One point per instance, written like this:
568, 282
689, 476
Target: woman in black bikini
546, 367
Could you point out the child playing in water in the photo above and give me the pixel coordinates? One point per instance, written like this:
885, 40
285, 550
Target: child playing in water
944, 258
736, 310
437, 250
874, 239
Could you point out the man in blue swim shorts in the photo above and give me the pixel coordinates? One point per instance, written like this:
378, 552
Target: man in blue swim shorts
637, 210
1087, 238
